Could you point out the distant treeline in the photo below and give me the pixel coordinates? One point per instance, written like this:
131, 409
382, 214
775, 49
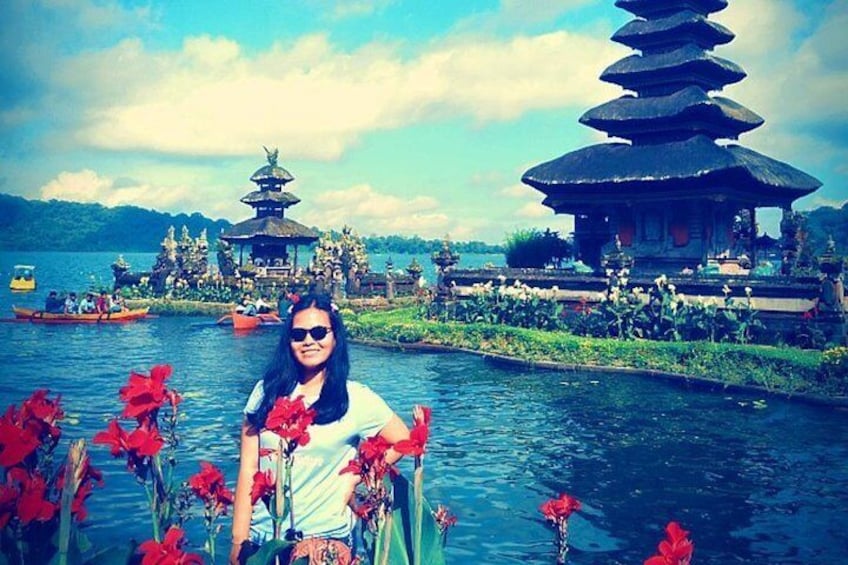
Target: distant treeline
57, 225
826, 222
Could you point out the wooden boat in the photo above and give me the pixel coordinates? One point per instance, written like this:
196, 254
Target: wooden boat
243, 322
23, 279
42, 317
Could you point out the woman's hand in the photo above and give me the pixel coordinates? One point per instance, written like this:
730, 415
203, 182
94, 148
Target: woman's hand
234, 554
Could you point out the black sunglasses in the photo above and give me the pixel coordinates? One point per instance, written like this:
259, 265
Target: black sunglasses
318, 333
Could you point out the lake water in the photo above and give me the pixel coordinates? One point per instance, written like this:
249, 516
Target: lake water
753, 485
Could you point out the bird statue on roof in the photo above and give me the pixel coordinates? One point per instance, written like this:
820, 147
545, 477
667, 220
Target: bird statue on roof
271, 155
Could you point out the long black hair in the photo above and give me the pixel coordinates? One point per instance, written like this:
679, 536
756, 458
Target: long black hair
283, 372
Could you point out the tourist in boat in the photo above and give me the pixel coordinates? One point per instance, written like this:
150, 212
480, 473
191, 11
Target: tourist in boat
116, 303
311, 360
71, 306
53, 304
262, 306
246, 307
101, 305
87, 305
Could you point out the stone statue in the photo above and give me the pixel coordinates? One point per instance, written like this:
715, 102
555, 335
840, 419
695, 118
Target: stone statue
272, 156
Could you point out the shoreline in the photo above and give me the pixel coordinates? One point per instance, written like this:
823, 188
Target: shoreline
700, 382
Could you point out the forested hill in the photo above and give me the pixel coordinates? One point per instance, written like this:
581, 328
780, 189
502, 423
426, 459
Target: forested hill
35, 225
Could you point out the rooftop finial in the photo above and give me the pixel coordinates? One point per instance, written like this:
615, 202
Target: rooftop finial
271, 155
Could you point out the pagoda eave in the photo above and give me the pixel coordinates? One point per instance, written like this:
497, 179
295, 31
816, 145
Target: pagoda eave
686, 64
271, 228
677, 29
622, 171
271, 174
649, 8
270, 197
690, 110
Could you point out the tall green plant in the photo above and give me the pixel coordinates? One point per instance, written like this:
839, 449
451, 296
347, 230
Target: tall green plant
532, 248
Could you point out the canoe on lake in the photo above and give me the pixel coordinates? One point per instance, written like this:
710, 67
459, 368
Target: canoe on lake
42, 317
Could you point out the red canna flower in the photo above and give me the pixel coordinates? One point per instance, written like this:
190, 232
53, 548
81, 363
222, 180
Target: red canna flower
168, 552
676, 549
145, 442
373, 449
416, 445
40, 414
263, 488
17, 442
32, 504
210, 487
558, 509
425, 417
353, 466
115, 437
144, 394
444, 519
290, 419
8, 503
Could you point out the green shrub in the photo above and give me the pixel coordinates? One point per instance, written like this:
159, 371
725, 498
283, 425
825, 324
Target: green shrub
532, 248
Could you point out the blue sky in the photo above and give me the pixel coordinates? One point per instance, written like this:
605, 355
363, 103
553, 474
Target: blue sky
394, 116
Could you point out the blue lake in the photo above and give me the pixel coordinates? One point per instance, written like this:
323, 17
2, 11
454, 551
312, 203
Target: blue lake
752, 485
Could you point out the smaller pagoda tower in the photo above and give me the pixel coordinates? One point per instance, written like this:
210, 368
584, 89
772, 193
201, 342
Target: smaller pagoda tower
270, 234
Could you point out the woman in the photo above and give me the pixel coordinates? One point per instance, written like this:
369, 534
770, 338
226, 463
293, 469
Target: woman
311, 360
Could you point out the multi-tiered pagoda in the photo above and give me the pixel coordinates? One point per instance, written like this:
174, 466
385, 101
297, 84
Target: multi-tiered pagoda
672, 194
270, 234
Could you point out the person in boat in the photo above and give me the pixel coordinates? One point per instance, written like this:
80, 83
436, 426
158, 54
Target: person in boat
71, 306
87, 305
246, 307
310, 361
116, 303
101, 305
262, 306
53, 304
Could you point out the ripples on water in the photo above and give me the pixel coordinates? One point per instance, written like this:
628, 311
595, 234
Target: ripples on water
752, 485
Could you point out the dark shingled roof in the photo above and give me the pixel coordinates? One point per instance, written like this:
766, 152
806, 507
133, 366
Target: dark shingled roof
681, 27
271, 196
689, 64
689, 110
697, 166
273, 228
648, 8
271, 174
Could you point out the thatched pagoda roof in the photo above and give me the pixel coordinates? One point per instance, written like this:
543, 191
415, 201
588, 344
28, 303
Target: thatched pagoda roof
271, 174
682, 27
286, 199
689, 64
686, 111
270, 229
690, 169
652, 8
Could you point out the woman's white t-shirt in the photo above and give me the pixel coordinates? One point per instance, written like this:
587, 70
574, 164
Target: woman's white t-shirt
320, 493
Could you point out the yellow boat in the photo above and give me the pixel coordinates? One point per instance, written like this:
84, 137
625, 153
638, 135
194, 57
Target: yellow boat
23, 279
41, 317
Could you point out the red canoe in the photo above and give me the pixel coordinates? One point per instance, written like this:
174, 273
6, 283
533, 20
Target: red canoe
242, 322
41, 317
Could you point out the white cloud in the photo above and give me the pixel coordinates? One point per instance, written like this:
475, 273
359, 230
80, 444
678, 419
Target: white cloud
89, 186
534, 210
383, 213
211, 98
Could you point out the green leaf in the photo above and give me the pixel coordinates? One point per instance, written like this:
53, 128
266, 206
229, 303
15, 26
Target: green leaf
268, 552
401, 537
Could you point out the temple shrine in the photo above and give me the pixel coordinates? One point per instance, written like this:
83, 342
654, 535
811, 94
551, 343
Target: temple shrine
273, 239
674, 197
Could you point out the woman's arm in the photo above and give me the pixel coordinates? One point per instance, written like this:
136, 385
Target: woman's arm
393, 432
242, 509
